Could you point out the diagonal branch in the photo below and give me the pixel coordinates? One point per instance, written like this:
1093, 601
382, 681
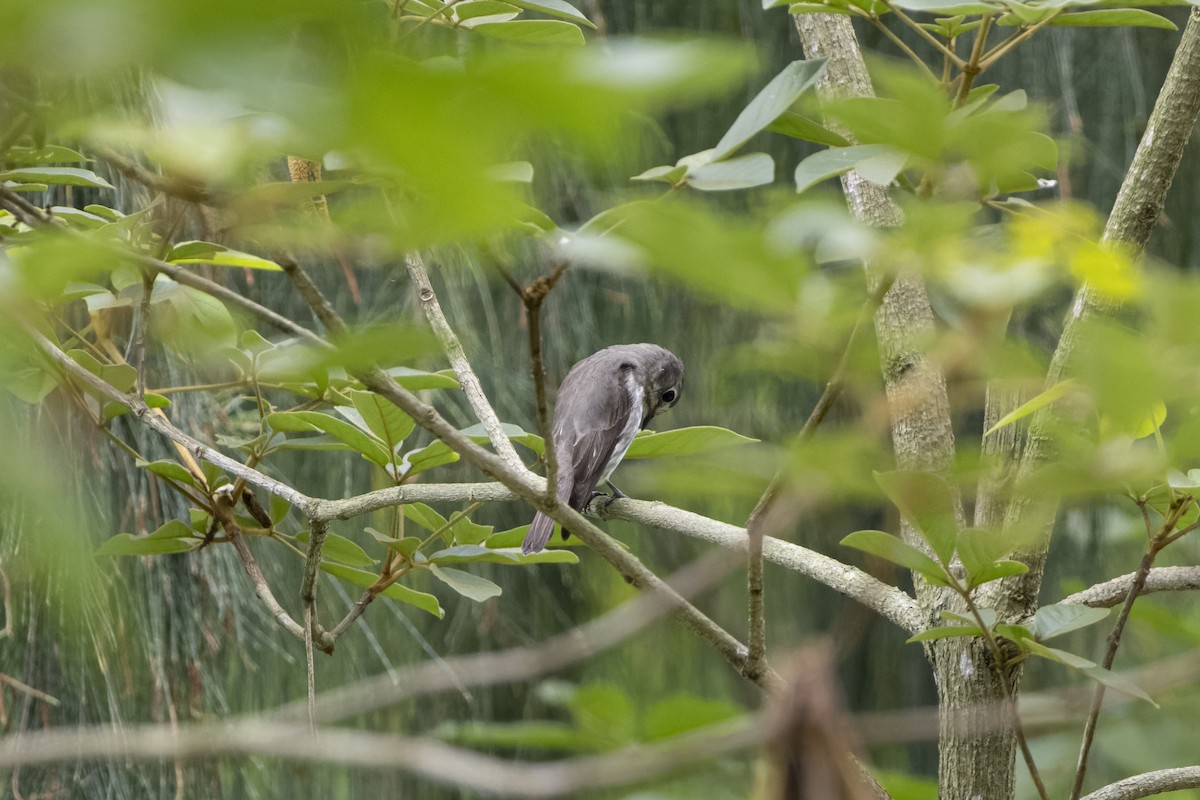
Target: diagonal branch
1113, 592
1134, 216
458, 359
1148, 784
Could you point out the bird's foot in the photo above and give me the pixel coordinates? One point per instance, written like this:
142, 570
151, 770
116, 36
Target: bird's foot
617, 494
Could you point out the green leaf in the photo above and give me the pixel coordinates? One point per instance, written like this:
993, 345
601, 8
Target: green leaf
605, 711
1123, 17
13, 186
663, 174
152, 400
533, 31
173, 537
383, 418
927, 503
743, 172
1118, 683
980, 548
685, 442
508, 556
58, 176
463, 530
994, 572
949, 6
683, 712
1014, 633
167, 469
78, 218
358, 577
405, 546
121, 377
893, 549
31, 384
363, 442
1091, 669
875, 162
514, 432
473, 587
424, 516
775, 98
196, 252
1059, 618
944, 632
555, 8
1055, 392
48, 154
988, 615
798, 126
341, 550
476, 9
416, 380
511, 735
818, 8
468, 532
434, 454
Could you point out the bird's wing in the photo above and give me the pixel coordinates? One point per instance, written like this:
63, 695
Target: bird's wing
589, 426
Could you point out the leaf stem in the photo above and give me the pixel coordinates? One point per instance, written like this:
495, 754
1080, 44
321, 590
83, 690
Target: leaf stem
1165, 536
927, 36
896, 40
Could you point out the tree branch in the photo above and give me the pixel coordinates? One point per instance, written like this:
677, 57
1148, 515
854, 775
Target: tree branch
163, 427
1135, 214
1148, 784
888, 601
458, 360
421, 756
1113, 592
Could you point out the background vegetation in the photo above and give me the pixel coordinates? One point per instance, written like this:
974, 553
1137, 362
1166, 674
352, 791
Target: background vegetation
184, 117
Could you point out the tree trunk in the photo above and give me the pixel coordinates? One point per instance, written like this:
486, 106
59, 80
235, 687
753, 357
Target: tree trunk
976, 753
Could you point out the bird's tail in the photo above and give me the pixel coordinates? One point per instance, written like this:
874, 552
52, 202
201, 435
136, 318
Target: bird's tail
539, 534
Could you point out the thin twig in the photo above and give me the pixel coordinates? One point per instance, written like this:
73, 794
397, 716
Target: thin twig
162, 426
926, 35
453, 348
178, 187
756, 660
1148, 784
1000, 49
25, 688
1161, 540
533, 296
896, 40
1160, 579
223, 511
972, 68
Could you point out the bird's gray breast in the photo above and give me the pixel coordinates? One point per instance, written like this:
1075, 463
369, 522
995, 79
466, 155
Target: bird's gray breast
625, 438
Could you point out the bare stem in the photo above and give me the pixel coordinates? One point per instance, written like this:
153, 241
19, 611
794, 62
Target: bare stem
223, 511
533, 296
972, 68
1165, 536
999, 50
755, 529
900, 43
453, 348
938, 45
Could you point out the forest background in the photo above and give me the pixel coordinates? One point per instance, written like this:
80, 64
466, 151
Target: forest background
185, 120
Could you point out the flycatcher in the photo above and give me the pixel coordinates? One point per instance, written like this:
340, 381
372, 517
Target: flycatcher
603, 402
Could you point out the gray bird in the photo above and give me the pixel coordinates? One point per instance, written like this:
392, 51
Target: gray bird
603, 402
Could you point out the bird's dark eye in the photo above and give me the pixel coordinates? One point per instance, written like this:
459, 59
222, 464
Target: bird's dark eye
668, 396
